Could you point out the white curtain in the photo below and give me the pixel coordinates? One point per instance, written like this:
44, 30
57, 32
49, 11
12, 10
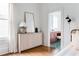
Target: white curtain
12, 30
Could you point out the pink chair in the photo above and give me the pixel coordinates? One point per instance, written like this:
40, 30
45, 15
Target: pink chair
53, 37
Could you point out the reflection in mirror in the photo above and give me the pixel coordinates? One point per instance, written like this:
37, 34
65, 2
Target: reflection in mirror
29, 19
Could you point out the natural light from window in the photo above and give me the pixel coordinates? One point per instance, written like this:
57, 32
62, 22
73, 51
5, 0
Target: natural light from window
3, 20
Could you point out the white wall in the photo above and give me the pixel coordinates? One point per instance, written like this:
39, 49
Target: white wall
67, 9
44, 23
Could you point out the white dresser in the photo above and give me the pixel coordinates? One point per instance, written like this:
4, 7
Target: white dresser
29, 40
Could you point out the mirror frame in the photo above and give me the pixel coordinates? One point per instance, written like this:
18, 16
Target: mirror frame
27, 12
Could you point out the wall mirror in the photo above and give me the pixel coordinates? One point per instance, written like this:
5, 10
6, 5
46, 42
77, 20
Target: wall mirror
29, 20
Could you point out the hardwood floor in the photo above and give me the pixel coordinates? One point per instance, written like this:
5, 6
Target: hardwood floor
37, 51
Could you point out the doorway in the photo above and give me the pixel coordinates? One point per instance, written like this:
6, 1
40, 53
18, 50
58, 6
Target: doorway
55, 29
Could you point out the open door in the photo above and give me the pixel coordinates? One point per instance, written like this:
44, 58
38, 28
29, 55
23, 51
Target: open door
55, 29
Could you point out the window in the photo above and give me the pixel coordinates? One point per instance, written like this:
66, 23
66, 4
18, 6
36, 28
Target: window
3, 20
55, 22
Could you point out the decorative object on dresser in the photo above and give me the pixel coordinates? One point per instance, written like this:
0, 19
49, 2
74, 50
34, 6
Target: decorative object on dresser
22, 27
29, 40
36, 30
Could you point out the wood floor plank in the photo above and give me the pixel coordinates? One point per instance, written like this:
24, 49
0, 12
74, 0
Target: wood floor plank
37, 51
